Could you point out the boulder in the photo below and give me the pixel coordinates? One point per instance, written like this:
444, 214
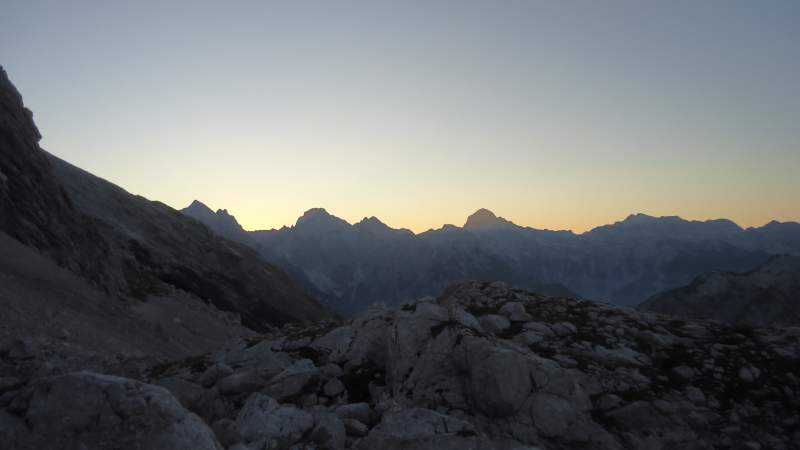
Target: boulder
263, 418
300, 377
227, 432
213, 373
684, 373
515, 312
749, 374
500, 381
355, 428
329, 432
89, 410
358, 411
494, 323
564, 329
241, 383
465, 319
422, 429
333, 387
551, 414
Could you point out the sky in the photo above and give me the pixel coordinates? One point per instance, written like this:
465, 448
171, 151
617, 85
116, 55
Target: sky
553, 114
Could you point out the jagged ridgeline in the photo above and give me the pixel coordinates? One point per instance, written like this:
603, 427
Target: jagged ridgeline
349, 266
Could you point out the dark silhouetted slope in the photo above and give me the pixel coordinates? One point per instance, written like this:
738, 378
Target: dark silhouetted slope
125, 244
34, 209
154, 244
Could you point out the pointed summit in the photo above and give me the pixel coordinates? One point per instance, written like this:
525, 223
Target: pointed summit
484, 219
198, 207
318, 219
372, 222
314, 214
220, 222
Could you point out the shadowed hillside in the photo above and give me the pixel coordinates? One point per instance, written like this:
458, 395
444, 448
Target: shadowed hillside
769, 294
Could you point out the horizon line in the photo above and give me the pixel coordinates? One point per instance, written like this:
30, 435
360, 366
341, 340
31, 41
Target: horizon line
500, 219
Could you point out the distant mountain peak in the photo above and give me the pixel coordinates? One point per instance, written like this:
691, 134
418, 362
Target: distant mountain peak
483, 218
372, 221
646, 219
480, 218
198, 206
198, 209
221, 221
639, 217
319, 218
670, 225
314, 214
778, 224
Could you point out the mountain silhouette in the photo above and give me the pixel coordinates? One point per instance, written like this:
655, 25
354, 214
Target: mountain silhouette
351, 266
126, 247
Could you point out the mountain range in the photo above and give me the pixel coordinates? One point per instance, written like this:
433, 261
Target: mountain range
351, 266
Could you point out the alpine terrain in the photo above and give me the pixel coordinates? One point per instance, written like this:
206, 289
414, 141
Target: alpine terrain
126, 324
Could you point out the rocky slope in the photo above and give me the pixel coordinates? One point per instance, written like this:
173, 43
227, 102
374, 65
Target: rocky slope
126, 245
768, 294
349, 266
49, 309
483, 367
153, 245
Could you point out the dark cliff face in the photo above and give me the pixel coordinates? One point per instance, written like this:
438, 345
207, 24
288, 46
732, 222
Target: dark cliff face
27, 192
125, 244
34, 208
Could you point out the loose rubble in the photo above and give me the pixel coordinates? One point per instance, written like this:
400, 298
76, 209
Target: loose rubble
482, 367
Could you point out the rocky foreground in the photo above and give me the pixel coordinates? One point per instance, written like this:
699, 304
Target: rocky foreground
482, 367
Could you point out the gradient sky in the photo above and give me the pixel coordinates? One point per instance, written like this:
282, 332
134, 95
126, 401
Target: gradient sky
554, 114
